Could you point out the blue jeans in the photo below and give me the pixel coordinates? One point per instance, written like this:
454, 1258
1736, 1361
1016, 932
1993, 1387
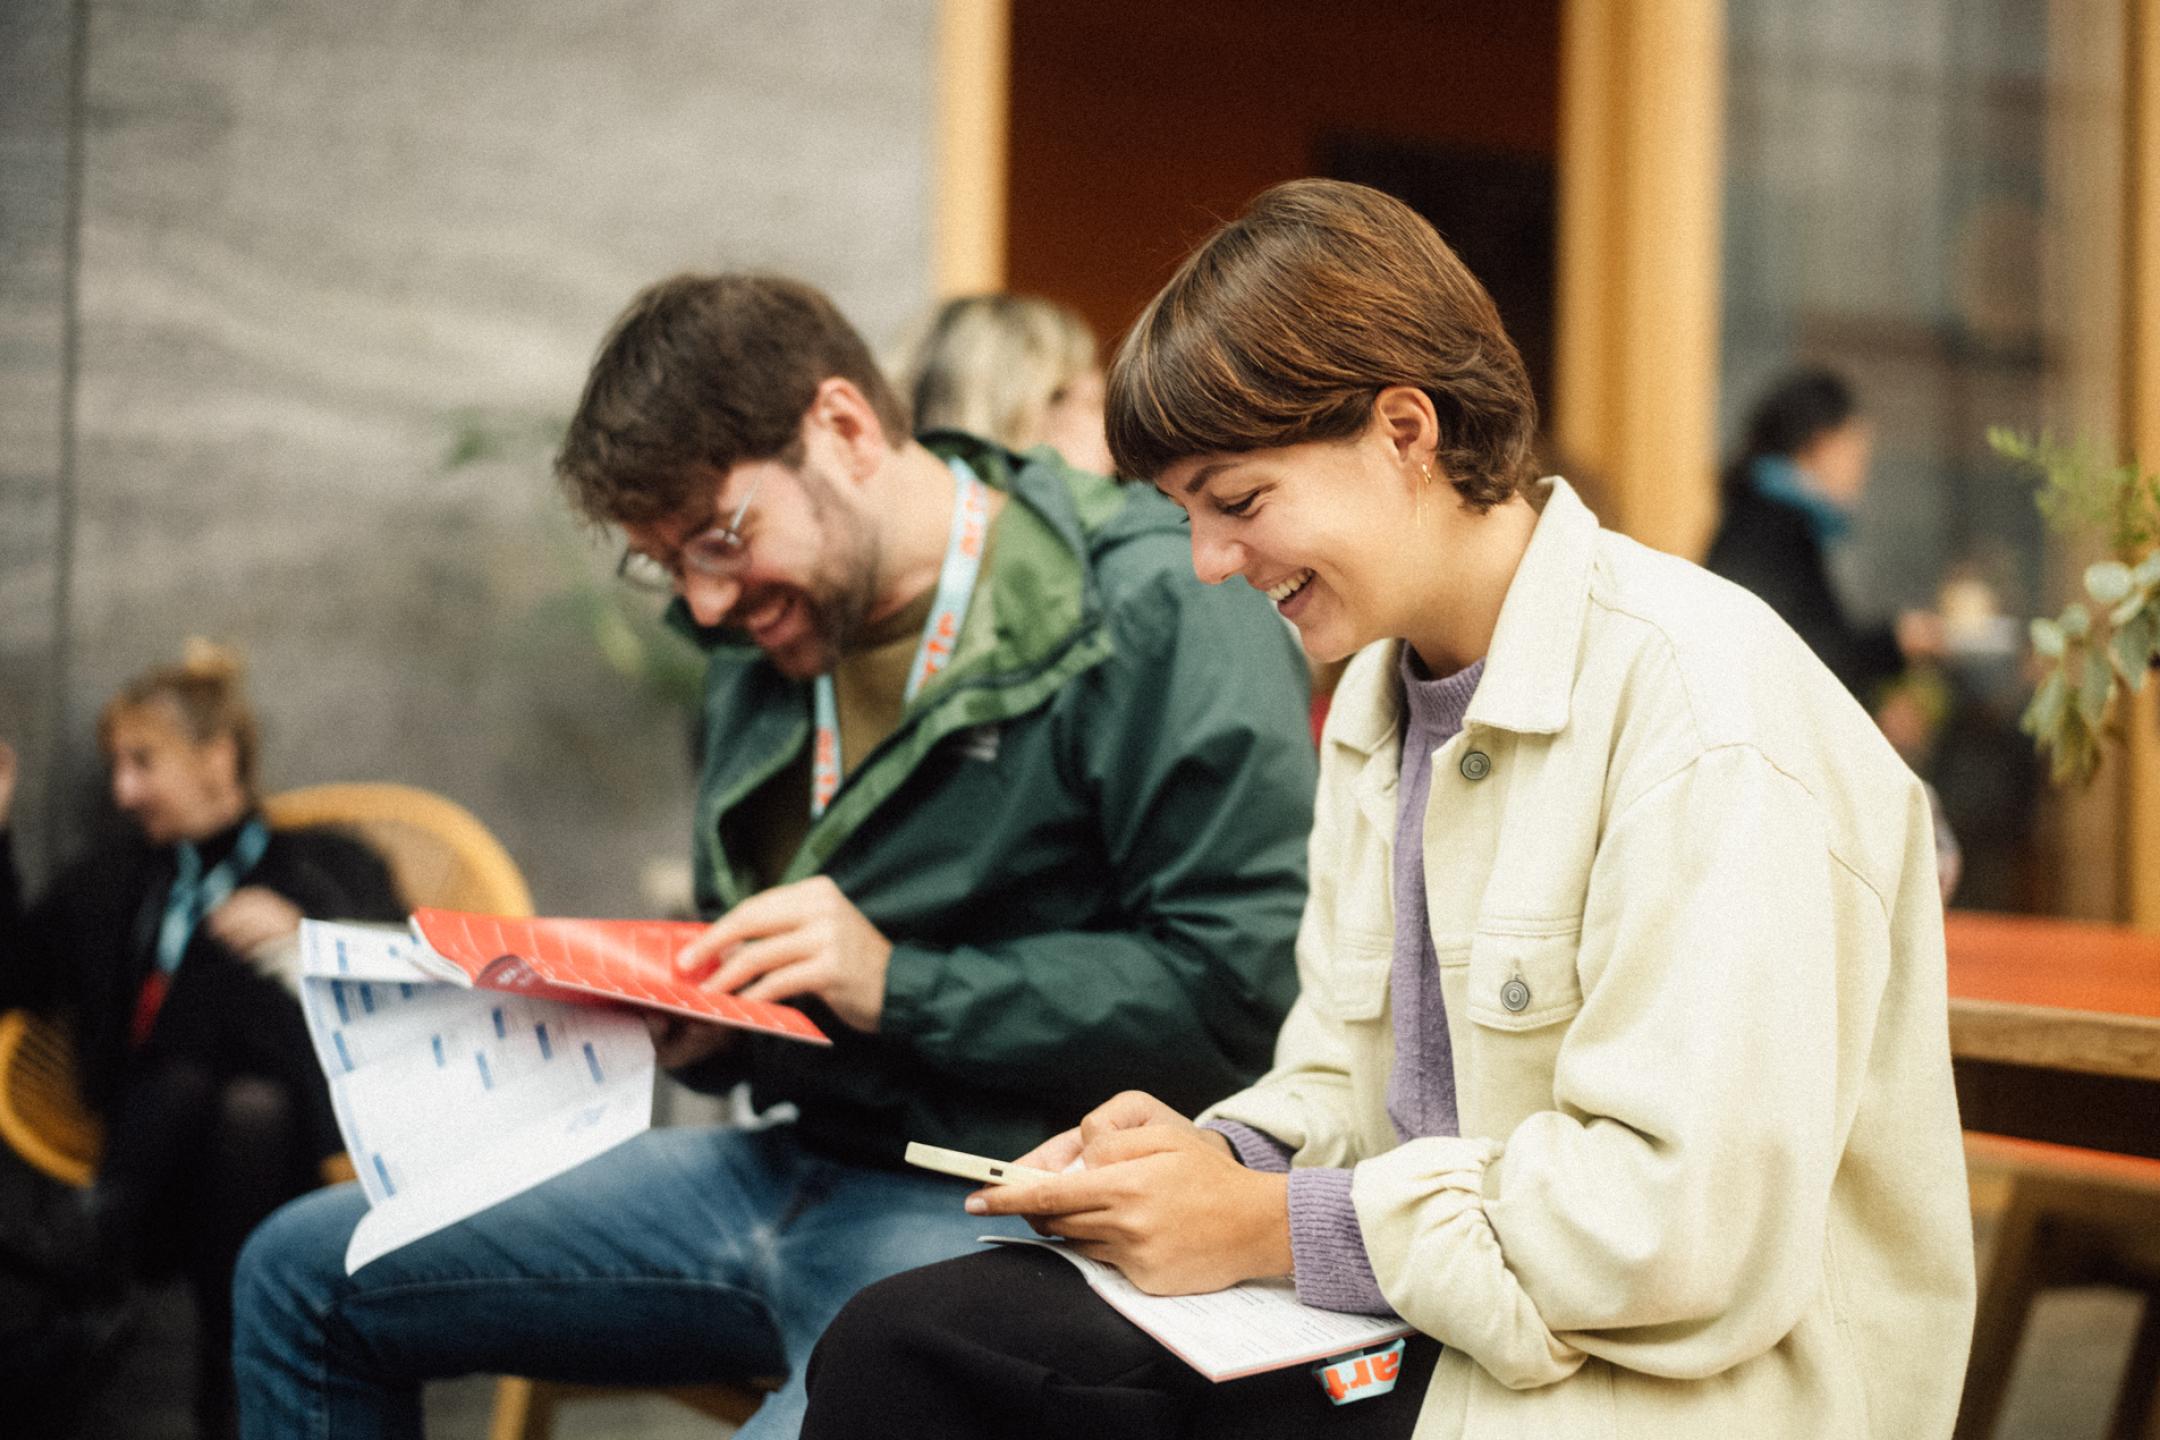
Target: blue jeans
679, 1257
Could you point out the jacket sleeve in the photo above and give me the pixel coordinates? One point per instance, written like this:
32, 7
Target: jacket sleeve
1304, 1100
1667, 1212
336, 876
1192, 745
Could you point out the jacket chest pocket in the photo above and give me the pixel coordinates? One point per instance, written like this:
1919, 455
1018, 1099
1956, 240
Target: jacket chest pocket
1521, 990
1521, 982
1354, 984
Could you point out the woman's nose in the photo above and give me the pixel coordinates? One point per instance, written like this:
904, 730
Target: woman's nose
1214, 558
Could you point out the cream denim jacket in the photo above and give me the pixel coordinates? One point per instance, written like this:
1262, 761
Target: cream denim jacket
1683, 895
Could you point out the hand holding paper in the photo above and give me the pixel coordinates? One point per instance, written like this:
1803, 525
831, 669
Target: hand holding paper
627, 960
1127, 1110
679, 1043
800, 939
1161, 1199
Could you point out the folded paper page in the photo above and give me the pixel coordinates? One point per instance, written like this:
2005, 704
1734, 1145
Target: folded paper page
1228, 1334
451, 1100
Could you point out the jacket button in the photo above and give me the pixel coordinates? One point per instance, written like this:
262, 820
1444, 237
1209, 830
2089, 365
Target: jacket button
1476, 765
1515, 996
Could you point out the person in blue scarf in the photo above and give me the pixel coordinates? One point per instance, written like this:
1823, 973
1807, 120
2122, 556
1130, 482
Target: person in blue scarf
151, 947
1789, 497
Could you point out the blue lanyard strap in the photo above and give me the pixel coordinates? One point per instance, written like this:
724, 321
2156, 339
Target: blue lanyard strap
940, 637
195, 894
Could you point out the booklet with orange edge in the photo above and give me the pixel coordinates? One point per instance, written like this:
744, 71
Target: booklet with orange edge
631, 961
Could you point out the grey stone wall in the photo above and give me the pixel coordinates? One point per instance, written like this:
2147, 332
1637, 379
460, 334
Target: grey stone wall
342, 264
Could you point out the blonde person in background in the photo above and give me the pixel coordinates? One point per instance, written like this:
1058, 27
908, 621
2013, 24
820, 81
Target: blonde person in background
1016, 369
150, 947
1024, 372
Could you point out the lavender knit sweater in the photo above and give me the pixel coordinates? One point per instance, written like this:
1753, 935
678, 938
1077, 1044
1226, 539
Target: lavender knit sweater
1326, 1245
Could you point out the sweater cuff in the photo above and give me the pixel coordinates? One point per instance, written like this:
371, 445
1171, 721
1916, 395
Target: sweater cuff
1256, 1149
1327, 1247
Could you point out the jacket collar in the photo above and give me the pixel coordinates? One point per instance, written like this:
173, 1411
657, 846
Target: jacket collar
1031, 626
1530, 668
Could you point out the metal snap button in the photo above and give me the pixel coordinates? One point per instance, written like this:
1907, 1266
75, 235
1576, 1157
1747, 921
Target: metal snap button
1515, 996
1476, 765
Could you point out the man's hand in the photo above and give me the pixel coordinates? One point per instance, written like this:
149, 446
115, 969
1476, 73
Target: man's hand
678, 1041
1160, 1198
253, 917
800, 939
7, 782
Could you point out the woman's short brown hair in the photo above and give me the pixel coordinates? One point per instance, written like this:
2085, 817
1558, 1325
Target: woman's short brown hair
1288, 322
699, 374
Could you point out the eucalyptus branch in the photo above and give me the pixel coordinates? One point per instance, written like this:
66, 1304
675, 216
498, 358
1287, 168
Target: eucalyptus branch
2092, 653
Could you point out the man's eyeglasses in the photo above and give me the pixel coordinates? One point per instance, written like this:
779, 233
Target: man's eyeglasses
712, 553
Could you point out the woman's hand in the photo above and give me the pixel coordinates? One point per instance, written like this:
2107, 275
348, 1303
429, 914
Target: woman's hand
253, 917
1160, 1198
1128, 1110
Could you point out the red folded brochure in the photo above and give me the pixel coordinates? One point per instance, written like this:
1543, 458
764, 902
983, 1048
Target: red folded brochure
632, 961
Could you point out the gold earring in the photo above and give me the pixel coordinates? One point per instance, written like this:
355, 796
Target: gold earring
1425, 470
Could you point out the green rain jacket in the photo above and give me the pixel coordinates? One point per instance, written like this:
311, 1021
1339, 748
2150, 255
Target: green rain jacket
1086, 839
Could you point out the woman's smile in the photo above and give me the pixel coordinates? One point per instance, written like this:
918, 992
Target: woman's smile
1288, 590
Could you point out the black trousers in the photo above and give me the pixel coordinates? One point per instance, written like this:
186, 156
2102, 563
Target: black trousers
193, 1162
1012, 1342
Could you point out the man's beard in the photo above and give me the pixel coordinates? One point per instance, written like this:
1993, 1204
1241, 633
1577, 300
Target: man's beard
844, 589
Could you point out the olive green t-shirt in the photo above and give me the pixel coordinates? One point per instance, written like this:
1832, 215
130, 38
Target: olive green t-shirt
870, 693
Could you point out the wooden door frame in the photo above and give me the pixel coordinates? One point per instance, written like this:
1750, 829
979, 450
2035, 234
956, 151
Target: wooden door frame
970, 149
2140, 858
1642, 122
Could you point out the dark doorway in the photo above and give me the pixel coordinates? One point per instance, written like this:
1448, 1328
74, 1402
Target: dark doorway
1137, 127
1496, 208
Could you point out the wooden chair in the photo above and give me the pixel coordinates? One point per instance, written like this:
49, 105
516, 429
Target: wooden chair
437, 852
42, 1118
2068, 1217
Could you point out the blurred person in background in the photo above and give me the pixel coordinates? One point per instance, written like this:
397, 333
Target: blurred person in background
1016, 369
156, 949
1790, 496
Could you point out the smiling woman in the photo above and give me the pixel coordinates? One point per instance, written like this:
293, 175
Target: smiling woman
1618, 1069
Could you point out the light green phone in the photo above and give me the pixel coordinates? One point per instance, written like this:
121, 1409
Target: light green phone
979, 1168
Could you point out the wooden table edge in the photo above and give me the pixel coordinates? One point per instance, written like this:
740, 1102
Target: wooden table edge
2091, 1042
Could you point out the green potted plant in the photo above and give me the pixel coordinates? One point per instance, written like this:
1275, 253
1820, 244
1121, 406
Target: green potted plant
2099, 647
625, 628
